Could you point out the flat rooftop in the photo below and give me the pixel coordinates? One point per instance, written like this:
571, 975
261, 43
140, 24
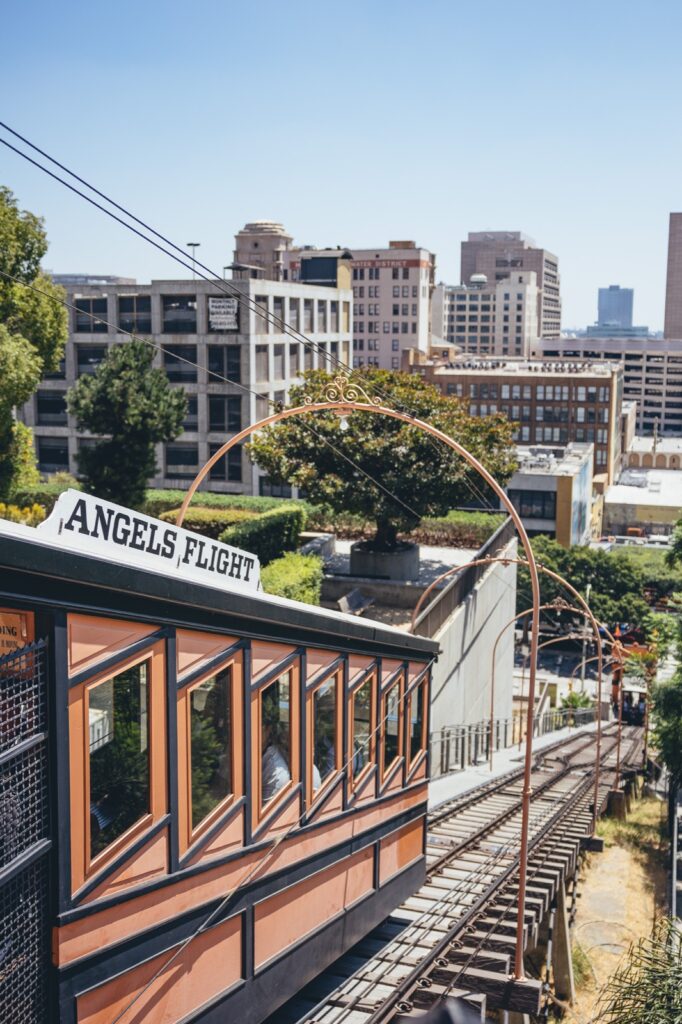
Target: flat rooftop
658, 487
544, 460
526, 367
664, 445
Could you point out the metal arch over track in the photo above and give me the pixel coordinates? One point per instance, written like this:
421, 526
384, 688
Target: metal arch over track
457, 935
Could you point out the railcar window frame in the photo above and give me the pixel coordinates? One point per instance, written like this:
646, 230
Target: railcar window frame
262, 810
420, 684
83, 865
387, 771
313, 795
369, 677
189, 833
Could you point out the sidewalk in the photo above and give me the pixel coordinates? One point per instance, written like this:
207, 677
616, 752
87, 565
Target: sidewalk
457, 783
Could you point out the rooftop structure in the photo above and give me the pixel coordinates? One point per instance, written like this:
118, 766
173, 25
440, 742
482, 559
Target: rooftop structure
552, 490
649, 499
73, 280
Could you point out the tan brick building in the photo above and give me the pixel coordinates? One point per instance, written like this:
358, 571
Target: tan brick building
672, 327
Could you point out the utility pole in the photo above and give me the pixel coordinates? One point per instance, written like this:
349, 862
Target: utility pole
194, 246
588, 588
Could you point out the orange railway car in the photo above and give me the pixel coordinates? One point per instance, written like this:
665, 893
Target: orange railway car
225, 790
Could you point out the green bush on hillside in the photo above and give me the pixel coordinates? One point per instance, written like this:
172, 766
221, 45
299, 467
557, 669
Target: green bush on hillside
268, 536
209, 522
158, 501
296, 576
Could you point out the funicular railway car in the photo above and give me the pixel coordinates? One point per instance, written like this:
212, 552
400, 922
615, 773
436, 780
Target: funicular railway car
206, 794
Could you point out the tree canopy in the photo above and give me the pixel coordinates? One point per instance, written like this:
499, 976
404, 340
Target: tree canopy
426, 477
33, 332
132, 406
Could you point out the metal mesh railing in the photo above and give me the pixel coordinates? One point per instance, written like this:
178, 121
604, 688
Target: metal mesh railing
456, 747
24, 837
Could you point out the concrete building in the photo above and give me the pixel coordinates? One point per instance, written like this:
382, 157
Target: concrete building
497, 254
552, 490
654, 453
652, 374
646, 499
615, 306
76, 280
672, 327
196, 322
488, 317
550, 402
391, 296
259, 250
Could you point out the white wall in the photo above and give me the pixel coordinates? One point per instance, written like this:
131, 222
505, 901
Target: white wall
462, 674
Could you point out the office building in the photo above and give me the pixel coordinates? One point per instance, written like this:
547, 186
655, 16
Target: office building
497, 254
550, 402
391, 296
672, 327
488, 317
552, 491
226, 336
652, 374
615, 306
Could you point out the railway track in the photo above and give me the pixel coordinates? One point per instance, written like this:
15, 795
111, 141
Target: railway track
456, 935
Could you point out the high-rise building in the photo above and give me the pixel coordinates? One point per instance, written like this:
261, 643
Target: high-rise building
391, 295
232, 360
549, 402
488, 318
672, 327
615, 306
497, 254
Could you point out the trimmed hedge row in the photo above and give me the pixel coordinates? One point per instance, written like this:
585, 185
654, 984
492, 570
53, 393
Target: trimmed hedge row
270, 534
209, 522
44, 494
158, 501
458, 529
296, 576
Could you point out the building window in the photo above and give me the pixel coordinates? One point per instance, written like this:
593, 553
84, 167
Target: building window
228, 468
179, 314
182, 461
321, 316
135, 313
87, 314
395, 363
262, 363
180, 363
119, 735
294, 360
390, 726
224, 361
261, 320
225, 413
267, 489
308, 316
275, 738
210, 715
191, 421
88, 358
534, 504
278, 362
53, 454
51, 409
294, 314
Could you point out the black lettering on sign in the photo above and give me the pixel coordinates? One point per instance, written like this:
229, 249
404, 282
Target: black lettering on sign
169, 539
137, 537
121, 531
78, 518
103, 517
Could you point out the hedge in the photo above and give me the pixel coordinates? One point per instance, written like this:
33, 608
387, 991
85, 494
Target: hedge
158, 501
270, 535
210, 522
45, 494
458, 529
296, 576
31, 515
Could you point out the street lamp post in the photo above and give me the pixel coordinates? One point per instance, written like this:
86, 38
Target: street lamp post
194, 246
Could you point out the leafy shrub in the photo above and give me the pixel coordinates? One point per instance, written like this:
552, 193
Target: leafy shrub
268, 536
158, 501
46, 493
30, 515
296, 576
458, 529
209, 522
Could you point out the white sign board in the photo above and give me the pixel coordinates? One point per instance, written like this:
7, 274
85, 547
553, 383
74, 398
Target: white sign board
223, 313
91, 526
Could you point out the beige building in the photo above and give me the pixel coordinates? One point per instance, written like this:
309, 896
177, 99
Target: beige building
498, 254
488, 317
550, 403
672, 327
211, 344
552, 491
652, 374
259, 250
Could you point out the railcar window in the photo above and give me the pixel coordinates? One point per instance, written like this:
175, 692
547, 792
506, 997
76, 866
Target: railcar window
118, 720
391, 725
275, 737
362, 725
210, 741
416, 721
324, 732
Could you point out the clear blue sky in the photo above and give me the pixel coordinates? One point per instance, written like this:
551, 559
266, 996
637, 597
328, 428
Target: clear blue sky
357, 122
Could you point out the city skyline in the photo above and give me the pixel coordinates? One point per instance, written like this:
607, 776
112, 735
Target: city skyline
400, 123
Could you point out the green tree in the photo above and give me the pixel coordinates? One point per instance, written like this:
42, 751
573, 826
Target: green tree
33, 332
426, 476
646, 987
133, 407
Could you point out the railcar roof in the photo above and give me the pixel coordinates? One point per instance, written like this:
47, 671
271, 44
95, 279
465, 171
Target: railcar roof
35, 568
